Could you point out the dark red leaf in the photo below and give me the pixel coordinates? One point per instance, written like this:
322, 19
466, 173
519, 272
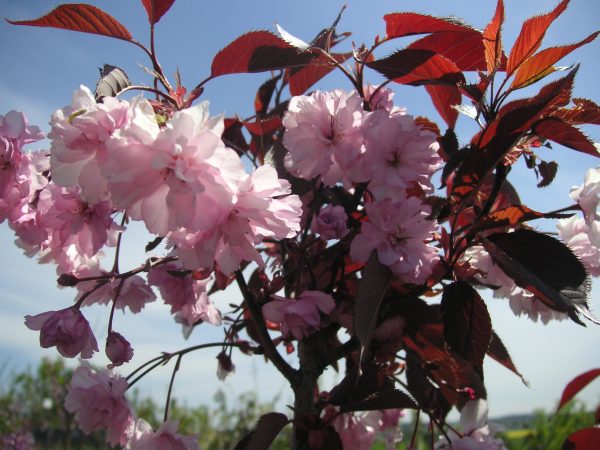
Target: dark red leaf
467, 323
268, 427
443, 98
545, 267
562, 133
233, 136
371, 289
428, 396
407, 24
541, 64
500, 136
263, 127
585, 439
530, 37
597, 416
515, 215
80, 17
418, 67
303, 78
576, 385
463, 48
264, 95
492, 39
547, 171
156, 9
386, 399
257, 51
498, 351
585, 111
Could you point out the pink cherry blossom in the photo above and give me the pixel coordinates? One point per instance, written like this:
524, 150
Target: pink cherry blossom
263, 208
66, 329
399, 232
324, 136
134, 293
97, 398
521, 302
476, 432
330, 223
178, 176
79, 135
165, 438
357, 431
575, 232
588, 195
118, 349
188, 298
298, 317
398, 154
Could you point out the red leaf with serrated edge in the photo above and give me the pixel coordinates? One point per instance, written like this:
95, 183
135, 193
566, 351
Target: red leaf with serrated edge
267, 428
257, 51
80, 17
428, 125
492, 39
498, 352
514, 215
463, 48
530, 37
302, 79
263, 126
443, 98
407, 24
418, 67
540, 65
467, 323
585, 439
584, 111
564, 134
576, 385
264, 95
156, 9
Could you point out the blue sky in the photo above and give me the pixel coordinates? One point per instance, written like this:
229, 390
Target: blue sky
42, 67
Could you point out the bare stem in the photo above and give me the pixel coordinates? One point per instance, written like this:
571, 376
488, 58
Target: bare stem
168, 402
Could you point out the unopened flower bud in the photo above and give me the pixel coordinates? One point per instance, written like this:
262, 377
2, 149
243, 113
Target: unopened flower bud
118, 349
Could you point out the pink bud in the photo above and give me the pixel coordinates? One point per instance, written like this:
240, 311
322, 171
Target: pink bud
225, 366
330, 223
118, 349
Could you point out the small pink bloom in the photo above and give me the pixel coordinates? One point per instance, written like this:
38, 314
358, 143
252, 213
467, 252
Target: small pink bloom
118, 349
330, 223
299, 317
588, 195
165, 438
324, 136
357, 431
97, 398
135, 293
398, 154
66, 329
575, 232
398, 231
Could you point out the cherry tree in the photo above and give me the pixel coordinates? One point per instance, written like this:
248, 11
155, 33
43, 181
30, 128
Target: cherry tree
359, 237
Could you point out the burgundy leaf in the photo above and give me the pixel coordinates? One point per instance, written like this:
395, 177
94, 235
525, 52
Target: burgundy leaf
386, 399
443, 98
540, 65
156, 9
500, 136
268, 427
467, 323
463, 48
545, 267
80, 17
418, 67
547, 171
514, 215
585, 111
585, 439
562, 133
407, 24
373, 285
576, 385
233, 136
303, 78
263, 127
498, 351
492, 39
530, 37
264, 95
257, 51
